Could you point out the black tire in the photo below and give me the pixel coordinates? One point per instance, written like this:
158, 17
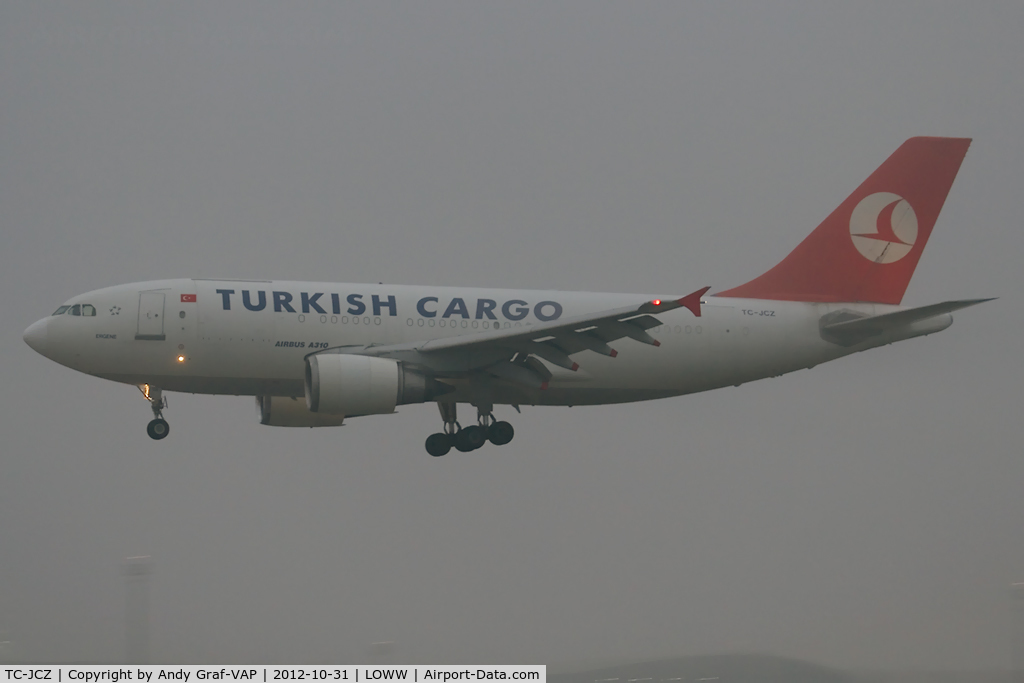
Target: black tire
461, 442
439, 444
500, 433
157, 429
470, 438
476, 435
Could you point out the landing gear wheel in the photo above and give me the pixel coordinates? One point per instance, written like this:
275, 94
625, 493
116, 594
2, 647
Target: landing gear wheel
470, 438
500, 433
477, 436
439, 444
157, 429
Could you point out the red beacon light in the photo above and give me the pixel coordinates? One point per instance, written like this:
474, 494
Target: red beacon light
656, 302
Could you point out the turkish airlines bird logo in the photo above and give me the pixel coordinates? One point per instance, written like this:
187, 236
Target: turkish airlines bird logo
883, 227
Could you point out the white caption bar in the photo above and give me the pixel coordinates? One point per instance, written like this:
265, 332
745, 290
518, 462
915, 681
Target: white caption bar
271, 674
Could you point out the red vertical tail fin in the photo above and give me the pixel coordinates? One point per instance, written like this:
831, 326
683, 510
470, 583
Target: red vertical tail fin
867, 249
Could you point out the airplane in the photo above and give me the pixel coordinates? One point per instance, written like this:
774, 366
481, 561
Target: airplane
316, 353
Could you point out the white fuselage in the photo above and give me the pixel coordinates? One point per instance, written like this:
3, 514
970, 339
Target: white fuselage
249, 337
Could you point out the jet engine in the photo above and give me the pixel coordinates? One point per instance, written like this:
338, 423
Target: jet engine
283, 411
347, 384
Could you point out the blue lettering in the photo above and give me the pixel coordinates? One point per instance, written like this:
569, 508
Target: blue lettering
247, 301
335, 304
538, 310
391, 305
456, 306
356, 307
282, 302
309, 302
421, 306
226, 293
522, 310
485, 307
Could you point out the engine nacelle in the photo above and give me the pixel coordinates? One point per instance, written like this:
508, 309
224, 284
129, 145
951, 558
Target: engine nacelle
346, 384
282, 411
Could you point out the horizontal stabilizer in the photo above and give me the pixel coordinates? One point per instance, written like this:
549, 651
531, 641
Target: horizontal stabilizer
846, 328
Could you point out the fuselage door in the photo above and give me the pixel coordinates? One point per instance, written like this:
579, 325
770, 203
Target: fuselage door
151, 316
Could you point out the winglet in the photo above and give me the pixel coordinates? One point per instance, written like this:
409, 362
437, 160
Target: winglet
692, 301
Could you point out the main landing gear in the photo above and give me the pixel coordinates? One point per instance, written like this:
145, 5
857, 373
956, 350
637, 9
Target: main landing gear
157, 427
466, 439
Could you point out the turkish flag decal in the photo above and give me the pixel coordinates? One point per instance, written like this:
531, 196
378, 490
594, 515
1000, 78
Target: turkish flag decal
186, 298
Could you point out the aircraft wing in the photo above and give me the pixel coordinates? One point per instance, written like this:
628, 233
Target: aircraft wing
512, 353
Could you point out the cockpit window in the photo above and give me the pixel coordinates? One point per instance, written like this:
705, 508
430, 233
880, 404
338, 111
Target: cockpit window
77, 309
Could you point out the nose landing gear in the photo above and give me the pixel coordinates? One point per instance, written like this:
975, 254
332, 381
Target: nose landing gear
157, 427
469, 438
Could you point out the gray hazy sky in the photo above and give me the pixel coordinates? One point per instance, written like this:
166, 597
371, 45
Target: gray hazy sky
865, 513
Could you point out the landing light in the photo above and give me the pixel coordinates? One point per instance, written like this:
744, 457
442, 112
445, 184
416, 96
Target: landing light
181, 359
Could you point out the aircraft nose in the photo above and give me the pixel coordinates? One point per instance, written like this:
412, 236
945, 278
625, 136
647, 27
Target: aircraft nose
35, 336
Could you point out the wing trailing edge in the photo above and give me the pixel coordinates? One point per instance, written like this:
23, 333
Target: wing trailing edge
513, 353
